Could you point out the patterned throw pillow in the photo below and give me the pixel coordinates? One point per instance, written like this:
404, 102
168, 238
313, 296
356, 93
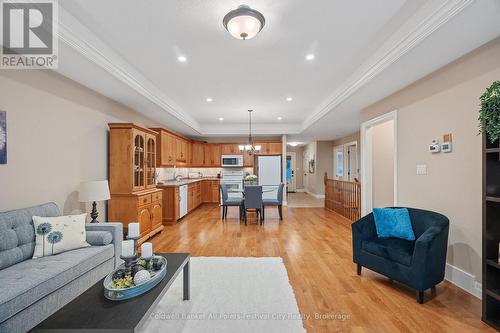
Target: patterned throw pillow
58, 234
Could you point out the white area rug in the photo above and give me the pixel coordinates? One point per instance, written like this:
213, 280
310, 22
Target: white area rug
230, 295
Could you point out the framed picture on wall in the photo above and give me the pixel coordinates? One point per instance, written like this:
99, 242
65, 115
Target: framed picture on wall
3, 137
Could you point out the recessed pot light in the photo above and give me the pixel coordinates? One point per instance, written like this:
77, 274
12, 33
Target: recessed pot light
221, 119
289, 99
182, 58
310, 56
279, 118
209, 99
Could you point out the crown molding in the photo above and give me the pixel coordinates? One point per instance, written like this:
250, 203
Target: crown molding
399, 44
96, 51
421, 25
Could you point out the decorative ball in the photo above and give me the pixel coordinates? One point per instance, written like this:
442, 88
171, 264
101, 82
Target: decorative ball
136, 269
141, 277
119, 274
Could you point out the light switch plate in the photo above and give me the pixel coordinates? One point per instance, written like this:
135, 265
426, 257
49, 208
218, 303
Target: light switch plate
421, 169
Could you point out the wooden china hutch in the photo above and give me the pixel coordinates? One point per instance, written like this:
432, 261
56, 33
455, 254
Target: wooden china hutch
132, 178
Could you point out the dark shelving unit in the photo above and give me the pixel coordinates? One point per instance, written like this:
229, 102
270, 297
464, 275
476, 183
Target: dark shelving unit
491, 233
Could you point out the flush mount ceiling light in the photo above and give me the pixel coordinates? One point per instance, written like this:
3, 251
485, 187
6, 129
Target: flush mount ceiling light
244, 22
289, 99
310, 57
181, 58
210, 99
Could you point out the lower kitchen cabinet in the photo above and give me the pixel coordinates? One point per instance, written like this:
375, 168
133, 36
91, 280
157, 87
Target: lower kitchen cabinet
203, 191
144, 207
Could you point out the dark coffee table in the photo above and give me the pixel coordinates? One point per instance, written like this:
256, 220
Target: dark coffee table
92, 312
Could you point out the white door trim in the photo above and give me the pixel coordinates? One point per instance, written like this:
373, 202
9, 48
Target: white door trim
346, 146
293, 166
366, 159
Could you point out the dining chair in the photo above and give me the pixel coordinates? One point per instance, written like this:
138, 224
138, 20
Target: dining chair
275, 202
226, 201
253, 200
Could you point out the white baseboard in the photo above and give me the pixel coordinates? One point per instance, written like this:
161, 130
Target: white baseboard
463, 280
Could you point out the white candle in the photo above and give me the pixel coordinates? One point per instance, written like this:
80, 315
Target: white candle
133, 230
147, 250
127, 248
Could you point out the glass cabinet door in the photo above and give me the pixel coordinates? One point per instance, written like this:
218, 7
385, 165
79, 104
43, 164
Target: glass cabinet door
151, 162
138, 161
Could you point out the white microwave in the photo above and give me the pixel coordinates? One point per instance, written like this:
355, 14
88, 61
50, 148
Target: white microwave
232, 161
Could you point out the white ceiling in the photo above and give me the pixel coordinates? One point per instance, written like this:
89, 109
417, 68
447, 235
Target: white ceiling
364, 51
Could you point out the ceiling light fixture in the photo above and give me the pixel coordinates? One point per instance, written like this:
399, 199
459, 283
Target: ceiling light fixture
210, 99
279, 118
289, 99
244, 22
310, 57
250, 148
294, 144
182, 58
221, 119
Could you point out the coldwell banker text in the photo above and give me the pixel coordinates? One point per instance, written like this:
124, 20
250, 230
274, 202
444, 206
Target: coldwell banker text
29, 34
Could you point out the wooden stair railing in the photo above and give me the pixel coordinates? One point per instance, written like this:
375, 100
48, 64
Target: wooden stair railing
343, 197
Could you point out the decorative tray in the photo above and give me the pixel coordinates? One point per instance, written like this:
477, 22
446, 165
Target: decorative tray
117, 294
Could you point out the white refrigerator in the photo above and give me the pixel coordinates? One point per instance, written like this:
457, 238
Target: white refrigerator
269, 173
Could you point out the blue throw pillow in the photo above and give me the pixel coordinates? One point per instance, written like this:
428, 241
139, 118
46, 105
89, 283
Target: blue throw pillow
393, 222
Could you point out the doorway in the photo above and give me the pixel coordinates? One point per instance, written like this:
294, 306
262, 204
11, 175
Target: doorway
379, 167
351, 160
291, 172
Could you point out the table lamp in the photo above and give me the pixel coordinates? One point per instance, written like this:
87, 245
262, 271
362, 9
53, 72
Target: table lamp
93, 191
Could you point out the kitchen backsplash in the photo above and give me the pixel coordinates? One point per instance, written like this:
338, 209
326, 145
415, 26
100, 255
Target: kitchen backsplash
170, 173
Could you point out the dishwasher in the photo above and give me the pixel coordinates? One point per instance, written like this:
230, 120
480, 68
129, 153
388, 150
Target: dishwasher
183, 200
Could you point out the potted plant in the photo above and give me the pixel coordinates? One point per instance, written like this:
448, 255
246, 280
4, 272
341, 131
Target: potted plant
251, 179
489, 114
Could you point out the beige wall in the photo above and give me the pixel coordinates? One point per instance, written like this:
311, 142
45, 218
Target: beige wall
323, 156
446, 101
57, 137
299, 177
309, 179
383, 164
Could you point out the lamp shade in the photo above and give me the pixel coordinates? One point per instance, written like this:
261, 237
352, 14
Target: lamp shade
97, 190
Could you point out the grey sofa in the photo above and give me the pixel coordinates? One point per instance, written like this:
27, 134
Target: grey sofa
33, 289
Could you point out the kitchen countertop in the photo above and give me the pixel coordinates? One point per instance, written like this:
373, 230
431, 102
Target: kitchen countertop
185, 181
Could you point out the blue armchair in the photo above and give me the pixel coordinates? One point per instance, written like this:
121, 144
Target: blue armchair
419, 264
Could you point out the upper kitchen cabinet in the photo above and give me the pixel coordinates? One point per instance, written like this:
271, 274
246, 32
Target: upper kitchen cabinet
198, 154
132, 155
247, 159
181, 151
166, 147
230, 149
212, 153
270, 148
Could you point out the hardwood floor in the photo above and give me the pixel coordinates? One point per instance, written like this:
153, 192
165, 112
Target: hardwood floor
315, 245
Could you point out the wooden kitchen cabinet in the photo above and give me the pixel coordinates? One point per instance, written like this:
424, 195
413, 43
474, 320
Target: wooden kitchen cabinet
210, 191
165, 148
248, 159
198, 154
189, 154
274, 148
212, 153
181, 150
270, 148
230, 149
